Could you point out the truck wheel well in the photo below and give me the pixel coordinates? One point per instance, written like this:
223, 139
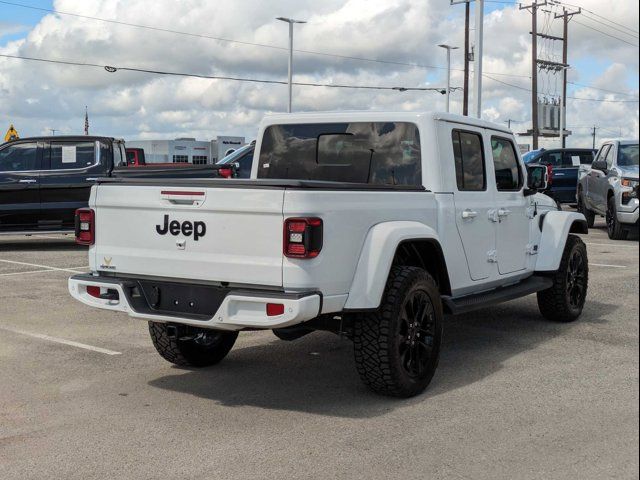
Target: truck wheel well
609, 194
425, 254
579, 226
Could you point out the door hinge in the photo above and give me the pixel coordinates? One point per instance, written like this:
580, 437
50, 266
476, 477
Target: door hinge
532, 249
492, 256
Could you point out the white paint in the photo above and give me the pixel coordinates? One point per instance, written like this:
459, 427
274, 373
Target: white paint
74, 270
605, 265
62, 341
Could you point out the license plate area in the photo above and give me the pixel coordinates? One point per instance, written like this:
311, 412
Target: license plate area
198, 302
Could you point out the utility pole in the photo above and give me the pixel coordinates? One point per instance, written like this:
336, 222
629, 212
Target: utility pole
290, 21
566, 16
477, 69
534, 69
593, 135
465, 95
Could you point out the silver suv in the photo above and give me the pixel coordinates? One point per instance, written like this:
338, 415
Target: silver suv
609, 187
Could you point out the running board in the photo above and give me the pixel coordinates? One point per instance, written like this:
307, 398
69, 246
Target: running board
469, 303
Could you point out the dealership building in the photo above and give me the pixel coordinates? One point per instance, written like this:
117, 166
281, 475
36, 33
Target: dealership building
187, 150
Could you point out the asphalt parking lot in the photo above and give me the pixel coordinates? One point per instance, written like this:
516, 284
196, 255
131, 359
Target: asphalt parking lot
83, 394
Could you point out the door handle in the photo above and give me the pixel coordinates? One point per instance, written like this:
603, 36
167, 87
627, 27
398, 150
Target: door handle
503, 212
91, 179
469, 214
27, 180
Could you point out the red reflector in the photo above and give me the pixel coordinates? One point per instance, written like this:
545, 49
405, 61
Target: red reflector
296, 249
93, 291
274, 309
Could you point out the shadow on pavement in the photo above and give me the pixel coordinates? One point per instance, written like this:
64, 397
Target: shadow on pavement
316, 374
40, 244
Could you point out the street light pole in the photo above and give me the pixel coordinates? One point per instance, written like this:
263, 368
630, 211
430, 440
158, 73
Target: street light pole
290, 21
448, 48
477, 68
562, 107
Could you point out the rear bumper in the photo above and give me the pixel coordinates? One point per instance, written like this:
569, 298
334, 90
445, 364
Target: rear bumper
239, 308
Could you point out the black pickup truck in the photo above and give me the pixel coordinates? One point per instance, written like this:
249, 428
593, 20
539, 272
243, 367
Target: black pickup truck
43, 180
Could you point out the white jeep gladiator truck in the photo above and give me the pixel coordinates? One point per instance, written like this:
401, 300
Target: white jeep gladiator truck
370, 225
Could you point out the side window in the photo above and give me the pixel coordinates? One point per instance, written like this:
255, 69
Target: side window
118, 156
468, 155
245, 163
505, 159
552, 158
602, 153
19, 158
66, 155
609, 157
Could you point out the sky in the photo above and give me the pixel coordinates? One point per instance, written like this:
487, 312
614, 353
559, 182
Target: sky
402, 36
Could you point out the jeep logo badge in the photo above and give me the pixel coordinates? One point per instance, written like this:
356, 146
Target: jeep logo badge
187, 228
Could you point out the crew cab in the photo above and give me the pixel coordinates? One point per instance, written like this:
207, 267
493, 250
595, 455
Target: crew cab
371, 225
43, 180
609, 187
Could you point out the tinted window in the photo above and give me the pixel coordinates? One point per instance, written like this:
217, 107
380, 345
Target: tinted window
378, 153
609, 157
552, 158
628, 155
468, 155
118, 155
19, 157
72, 155
505, 160
245, 162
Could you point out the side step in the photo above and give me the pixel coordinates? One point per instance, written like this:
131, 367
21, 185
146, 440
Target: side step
476, 301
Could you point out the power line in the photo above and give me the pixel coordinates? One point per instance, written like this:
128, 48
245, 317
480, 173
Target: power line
112, 69
601, 89
241, 42
595, 14
603, 100
605, 33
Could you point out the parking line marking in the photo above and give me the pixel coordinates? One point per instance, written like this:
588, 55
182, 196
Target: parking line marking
63, 341
43, 266
22, 273
605, 265
611, 245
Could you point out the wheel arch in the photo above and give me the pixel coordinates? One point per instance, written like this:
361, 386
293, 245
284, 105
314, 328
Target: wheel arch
556, 227
394, 243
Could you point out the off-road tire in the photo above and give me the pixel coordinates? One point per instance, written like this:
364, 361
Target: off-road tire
380, 351
561, 302
582, 208
615, 229
191, 352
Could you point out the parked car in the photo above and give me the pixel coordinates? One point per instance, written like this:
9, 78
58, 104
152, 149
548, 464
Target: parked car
43, 180
369, 225
609, 187
563, 164
241, 160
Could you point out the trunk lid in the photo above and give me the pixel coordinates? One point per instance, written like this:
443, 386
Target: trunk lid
194, 233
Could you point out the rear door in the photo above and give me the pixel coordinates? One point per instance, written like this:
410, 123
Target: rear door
219, 234
512, 221
20, 163
70, 169
474, 202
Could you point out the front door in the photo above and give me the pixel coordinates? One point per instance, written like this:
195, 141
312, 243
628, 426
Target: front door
70, 169
510, 216
596, 178
19, 186
473, 202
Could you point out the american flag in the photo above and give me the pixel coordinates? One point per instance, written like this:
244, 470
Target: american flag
86, 121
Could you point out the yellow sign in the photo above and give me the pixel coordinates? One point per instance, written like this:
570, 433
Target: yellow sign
12, 134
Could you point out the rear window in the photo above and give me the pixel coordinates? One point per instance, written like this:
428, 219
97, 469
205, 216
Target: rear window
385, 153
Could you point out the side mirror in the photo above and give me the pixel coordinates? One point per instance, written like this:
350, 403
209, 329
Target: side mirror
537, 179
599, 165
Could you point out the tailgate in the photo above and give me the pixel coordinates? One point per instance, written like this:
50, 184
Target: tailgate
196, 233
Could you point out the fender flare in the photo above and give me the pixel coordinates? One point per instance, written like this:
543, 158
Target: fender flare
376, 257
556, 227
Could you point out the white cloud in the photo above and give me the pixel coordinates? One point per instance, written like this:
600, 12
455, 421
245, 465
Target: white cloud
38, 96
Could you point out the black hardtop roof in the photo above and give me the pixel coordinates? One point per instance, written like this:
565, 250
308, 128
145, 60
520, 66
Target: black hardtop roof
72, 138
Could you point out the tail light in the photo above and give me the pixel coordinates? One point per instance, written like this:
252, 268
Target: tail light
302, 237
549, 175
226, 172
85, 226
